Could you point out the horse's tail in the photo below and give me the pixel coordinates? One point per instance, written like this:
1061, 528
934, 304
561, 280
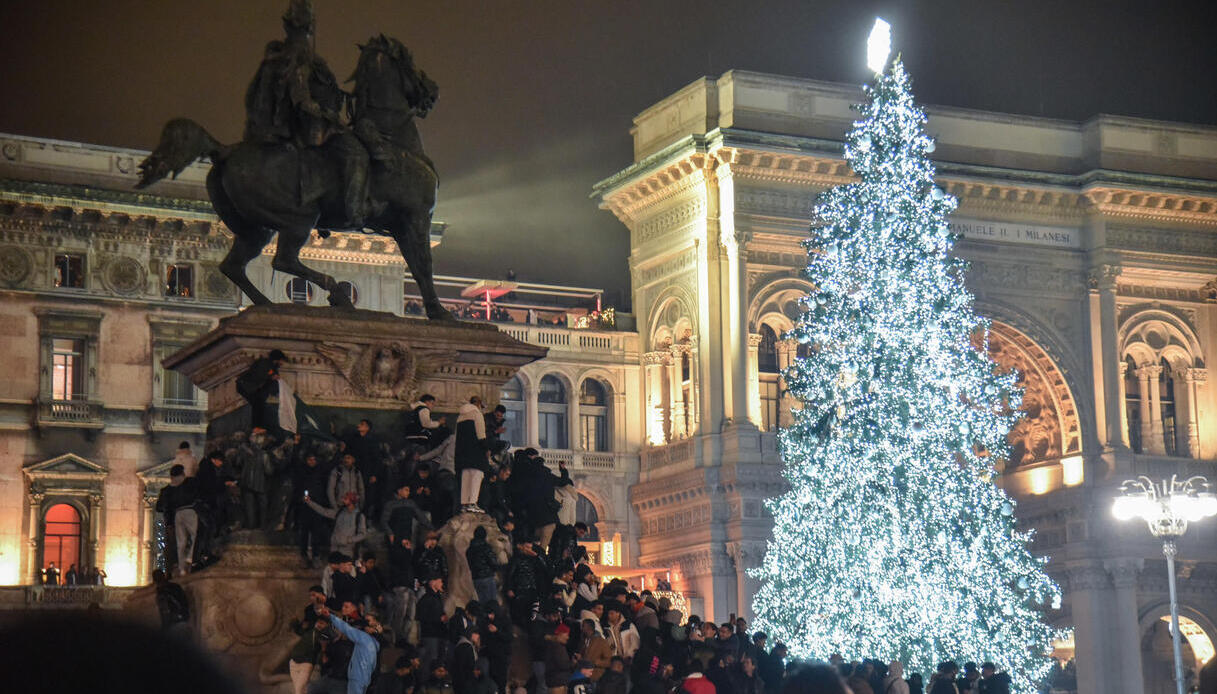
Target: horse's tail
182, 143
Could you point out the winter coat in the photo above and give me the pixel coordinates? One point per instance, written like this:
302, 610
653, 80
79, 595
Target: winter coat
526, 574
481, 558
471, 439
743, 684
255, 468
350, 527
344, 480
558, 667
999, 683
430, 563
894, 682
612, 682
363, 660
463, 659
313, 479
597, 649
430, 613
398, 518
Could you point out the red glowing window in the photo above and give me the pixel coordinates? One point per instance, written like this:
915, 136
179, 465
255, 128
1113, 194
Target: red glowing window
61, 537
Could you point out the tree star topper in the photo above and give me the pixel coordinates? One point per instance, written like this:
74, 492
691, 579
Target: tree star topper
879, 45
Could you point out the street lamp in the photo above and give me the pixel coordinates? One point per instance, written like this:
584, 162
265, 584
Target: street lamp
1167, 508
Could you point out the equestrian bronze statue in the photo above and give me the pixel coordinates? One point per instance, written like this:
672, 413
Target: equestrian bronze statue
316, 157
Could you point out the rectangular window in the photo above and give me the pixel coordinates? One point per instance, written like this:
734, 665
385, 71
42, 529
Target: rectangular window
177, 390
595, 432
770, 399
70, 270
67, 369
179, 280
552, 429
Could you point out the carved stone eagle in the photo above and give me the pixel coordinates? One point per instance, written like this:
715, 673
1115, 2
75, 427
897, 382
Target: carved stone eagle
384, 369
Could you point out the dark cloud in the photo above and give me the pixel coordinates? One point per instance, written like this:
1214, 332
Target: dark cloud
537, 95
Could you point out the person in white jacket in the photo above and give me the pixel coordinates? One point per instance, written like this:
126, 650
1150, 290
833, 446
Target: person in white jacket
472, 453
621, 633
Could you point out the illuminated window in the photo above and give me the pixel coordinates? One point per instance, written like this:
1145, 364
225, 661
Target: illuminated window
67, 369
350, 291
179, 280
61, 537
593, 415
512, 397
551, 414
70, 270
300, 291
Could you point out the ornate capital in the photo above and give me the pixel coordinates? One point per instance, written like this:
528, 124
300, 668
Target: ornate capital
754, 340
1149, 371
657, 358
1197, 376
1103, 277
1088, 577
1124, 571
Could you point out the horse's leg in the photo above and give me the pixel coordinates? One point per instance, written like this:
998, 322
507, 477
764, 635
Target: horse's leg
247, 244
414, 241
287, 259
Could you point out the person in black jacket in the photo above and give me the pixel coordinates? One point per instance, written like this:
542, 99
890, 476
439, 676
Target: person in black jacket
365, 446
429, 560
527, 574
309, 481
464, 658
482, 566
400, 514
259, 382
494, 498
432, 622
496, 642
171, 602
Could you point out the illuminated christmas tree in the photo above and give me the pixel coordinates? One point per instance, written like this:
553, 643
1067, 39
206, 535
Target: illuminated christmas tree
893, 541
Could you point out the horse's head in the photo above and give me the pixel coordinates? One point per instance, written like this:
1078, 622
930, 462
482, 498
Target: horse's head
386, 79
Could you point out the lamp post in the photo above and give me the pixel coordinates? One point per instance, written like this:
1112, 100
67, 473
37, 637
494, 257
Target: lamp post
1167, 508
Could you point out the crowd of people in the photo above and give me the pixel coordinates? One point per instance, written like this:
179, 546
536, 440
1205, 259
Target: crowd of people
73, 576
382, 617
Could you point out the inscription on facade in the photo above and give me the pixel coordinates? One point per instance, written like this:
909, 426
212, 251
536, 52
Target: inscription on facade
1011, 232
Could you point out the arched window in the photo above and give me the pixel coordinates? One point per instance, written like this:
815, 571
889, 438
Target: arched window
551, 413
594, 415
768, 369
61, 535
1132, 404
767, 351
1166, 394
585, 512
512, 397
350, 291
300, 291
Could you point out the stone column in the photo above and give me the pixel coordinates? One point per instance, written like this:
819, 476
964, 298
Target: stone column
96, 529
574, 431
1090, 604
1123, 405
35, 499
678, 424
745, 556
754, 380
1156, 444
532, 427
1143, 383
147, 553
1194, 379
1103, 281
787, 349
1125, 628
654, 377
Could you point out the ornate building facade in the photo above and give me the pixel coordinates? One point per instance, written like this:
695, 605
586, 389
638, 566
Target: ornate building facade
1093, 250
98, 283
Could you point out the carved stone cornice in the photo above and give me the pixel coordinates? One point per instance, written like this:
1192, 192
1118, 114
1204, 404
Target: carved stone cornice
1001, 200
665, 182
1088, 576
1169, 241
657, 358
1153, 206
1103, 277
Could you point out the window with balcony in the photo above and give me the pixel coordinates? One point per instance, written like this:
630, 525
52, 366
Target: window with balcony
512, 397
300, 291
594, 415
67, 369
70, 270
552, 427
179, 280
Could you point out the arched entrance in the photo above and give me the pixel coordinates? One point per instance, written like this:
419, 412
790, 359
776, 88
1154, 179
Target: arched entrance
1157, 655
1051, 428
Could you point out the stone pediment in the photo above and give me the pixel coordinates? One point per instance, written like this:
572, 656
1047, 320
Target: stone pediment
66, 465
158, 472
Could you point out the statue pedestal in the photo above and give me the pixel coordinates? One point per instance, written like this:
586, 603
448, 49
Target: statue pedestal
346, 365
353, 363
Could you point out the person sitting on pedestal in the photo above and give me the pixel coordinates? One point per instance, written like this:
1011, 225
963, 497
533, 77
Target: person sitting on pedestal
420, 429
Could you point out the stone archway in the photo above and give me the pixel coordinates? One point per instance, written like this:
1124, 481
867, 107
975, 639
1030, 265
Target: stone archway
1051, 427
1157, 657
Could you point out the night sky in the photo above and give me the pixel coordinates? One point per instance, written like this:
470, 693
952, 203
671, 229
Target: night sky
537, 96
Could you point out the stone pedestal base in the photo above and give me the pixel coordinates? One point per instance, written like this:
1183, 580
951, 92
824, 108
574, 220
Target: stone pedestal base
242, 608
454, 538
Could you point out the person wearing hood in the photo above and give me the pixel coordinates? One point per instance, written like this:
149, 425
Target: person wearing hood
481, 682
464, 658
472, 452
482, 566
894, 682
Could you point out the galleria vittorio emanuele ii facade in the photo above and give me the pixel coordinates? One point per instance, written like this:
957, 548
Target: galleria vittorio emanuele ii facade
1093, 250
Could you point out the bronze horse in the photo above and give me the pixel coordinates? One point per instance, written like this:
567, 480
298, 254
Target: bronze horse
259, 190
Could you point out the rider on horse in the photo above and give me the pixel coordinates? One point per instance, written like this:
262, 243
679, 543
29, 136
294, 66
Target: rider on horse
295, 99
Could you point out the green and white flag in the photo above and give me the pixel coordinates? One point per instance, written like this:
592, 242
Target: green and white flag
297, 417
